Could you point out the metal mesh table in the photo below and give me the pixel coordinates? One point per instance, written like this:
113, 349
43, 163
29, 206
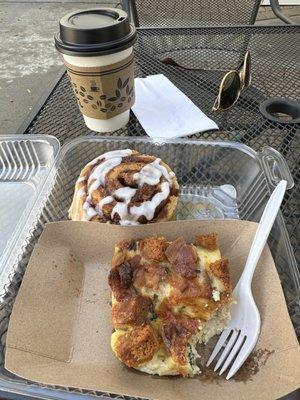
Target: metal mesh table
276, 58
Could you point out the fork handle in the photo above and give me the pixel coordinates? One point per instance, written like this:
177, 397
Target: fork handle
262, 232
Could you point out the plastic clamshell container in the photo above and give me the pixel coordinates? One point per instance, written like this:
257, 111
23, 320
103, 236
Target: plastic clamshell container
25, 162
217, 180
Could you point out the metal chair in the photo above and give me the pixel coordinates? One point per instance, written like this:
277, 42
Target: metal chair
167, 13
279, 14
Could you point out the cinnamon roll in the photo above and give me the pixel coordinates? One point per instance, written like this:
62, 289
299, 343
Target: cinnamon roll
127, 188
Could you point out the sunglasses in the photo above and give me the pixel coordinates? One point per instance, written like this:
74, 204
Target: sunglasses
232, 84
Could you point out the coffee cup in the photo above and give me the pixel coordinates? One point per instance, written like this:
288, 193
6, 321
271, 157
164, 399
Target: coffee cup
96, 46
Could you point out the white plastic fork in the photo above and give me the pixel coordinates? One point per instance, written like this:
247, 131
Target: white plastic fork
244, 327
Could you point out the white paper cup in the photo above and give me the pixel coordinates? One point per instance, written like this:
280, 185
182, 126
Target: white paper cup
97, 49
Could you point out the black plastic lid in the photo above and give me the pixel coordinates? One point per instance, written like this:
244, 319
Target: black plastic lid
97, 31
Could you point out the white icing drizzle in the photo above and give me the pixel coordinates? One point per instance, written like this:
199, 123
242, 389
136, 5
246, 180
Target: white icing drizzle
112, 159
81, 179
81, 192
111, 154
105, 200
99, 173
130, 216
151, 174
148, 207
125, 193
94, 186
90, 212
122, 210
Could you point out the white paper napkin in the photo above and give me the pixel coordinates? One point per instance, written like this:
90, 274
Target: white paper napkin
164, 111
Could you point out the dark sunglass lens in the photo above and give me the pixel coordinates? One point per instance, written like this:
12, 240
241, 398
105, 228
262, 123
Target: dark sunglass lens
229, 90
247, 70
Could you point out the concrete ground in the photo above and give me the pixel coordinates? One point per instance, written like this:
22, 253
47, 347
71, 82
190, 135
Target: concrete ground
29, 61
266, 16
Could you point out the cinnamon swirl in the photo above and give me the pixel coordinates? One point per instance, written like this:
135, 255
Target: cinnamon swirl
127, 188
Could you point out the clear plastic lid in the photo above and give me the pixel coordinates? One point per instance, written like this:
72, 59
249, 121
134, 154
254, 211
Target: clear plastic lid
25, 162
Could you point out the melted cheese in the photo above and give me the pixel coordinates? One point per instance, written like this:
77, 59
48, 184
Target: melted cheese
194, 311
159, 295
160, 364
207, 256
163, 364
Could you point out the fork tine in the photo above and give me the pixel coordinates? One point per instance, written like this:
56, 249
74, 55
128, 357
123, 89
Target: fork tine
227, 349
243, 354
235, 350
218, 346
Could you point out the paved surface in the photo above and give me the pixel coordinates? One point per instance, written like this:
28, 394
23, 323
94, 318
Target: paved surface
29, 61
266, 16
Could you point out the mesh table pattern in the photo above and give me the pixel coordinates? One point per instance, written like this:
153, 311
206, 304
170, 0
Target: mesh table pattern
275, 73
